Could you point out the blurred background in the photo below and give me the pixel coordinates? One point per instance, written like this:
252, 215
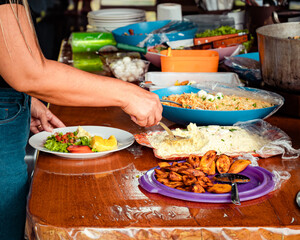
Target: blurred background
56, 19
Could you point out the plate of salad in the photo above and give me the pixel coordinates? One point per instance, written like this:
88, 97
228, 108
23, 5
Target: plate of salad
82, 142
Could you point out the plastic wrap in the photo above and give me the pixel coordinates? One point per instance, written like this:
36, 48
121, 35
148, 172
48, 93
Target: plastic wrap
127, 68
156, 32
165, 33
278, 142
259, 94
157, 80
36, 231
278, 177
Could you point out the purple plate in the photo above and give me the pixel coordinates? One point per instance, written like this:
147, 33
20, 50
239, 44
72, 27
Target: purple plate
260, 184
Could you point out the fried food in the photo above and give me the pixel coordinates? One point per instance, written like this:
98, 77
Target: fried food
173, 176
197, 188
212, 169
188, 180
193, 174
223, 163
207, 160
219, 188
238, 165
164, 164
174, 184
194, 161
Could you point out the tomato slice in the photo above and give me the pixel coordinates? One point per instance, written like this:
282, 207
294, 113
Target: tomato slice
79, 149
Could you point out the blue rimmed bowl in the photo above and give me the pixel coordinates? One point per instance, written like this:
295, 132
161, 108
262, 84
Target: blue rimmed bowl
185, 116
180, 30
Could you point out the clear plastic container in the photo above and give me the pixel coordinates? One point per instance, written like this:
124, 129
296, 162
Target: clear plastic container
210, 21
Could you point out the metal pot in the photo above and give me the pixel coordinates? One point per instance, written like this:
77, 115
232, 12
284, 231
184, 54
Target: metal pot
279, 56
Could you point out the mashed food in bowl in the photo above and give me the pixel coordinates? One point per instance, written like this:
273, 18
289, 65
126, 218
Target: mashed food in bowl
223, 139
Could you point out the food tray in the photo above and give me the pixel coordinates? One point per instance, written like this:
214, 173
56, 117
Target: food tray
167, 79
261, 183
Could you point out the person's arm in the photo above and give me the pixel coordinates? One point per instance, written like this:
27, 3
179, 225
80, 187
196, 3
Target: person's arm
60, 84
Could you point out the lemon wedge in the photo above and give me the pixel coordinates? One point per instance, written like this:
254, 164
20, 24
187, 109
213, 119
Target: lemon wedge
101, 144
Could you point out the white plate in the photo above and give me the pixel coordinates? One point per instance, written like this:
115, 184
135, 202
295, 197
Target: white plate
116, 13
124, 138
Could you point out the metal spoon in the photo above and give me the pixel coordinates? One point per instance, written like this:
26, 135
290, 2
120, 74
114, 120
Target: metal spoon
171, 135
298, 199
233, 179
170, 101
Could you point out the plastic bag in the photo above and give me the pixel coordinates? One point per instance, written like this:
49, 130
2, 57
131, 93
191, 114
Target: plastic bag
277, 176
246, 68
253, 93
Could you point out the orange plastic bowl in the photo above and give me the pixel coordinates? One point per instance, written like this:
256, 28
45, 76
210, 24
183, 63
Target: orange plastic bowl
190, 61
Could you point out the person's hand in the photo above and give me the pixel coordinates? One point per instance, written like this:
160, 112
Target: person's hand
42, 118
143, 106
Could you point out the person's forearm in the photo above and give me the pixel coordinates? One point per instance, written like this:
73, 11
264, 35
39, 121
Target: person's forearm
60, 84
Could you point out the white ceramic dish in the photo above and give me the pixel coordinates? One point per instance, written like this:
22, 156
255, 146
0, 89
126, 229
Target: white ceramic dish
107, 20
117, 13
124, 138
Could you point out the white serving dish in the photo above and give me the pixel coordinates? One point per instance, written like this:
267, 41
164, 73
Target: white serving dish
166, 79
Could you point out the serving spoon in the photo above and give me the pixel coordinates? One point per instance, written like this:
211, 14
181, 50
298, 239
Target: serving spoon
233, 179
171, 135
170, 101
298, 199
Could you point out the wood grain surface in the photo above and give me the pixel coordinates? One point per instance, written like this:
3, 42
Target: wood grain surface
103, 195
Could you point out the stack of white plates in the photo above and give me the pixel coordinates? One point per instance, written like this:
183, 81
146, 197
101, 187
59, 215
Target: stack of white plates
106, 20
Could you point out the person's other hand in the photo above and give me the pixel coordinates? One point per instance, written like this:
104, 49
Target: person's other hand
42, 118
144, 107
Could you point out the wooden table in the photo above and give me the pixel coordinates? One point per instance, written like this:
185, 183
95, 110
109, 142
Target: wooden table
101, 198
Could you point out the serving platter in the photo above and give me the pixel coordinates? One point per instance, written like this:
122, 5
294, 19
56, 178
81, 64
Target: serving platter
261, 183
124, 138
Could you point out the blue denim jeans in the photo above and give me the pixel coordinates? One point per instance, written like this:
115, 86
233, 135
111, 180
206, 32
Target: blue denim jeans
14, 132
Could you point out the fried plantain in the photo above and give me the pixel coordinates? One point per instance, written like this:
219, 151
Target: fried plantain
212, 169
194, 161
219, 188
238, 165
223, 163
207, 159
